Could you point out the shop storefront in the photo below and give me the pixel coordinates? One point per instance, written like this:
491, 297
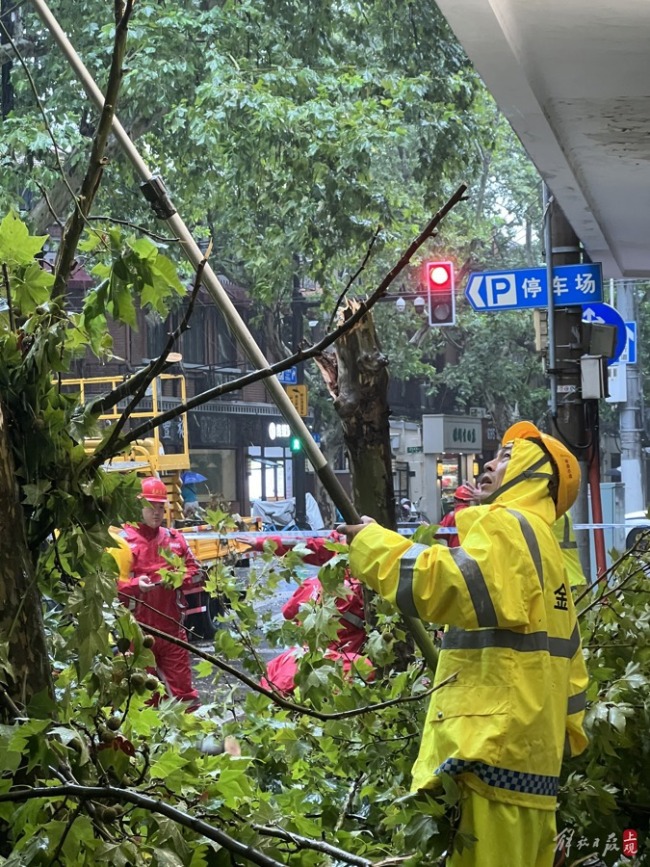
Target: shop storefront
451, 446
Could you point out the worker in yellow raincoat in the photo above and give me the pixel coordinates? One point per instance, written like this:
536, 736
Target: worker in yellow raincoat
515, 701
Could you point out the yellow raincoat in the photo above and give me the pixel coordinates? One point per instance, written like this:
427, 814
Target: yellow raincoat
563, 532
517, 702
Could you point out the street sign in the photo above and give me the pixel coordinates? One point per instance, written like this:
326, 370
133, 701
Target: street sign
608, 315
289, 376
629, 353
527, 288
297, 394
279, 431
617, 382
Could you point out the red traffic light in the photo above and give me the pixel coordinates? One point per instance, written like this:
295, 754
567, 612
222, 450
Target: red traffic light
440, 276
440, 288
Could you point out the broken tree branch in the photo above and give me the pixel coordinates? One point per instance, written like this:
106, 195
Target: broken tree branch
154, 805
286, 703
303, 354
96, 163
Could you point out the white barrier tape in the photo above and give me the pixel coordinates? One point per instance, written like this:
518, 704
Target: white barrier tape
611, 526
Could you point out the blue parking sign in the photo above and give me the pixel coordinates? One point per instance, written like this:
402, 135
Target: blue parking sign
527, 288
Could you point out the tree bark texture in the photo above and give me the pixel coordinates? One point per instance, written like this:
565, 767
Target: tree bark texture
22, 635
357, 378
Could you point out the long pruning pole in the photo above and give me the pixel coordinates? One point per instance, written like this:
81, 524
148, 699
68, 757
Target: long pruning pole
155, 192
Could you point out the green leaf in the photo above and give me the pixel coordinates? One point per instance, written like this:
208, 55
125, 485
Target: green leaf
143, 248
32, 288
167, 764
121, 300
166, 858
17, 246
117, 854
34, 494
203, 668
199, 856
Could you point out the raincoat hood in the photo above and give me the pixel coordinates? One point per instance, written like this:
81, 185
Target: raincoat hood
524, 486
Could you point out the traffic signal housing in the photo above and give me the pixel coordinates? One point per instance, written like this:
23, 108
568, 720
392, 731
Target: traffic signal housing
295, 444
439, 277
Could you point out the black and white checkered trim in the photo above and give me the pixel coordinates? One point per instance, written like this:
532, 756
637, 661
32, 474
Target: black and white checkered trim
502, 778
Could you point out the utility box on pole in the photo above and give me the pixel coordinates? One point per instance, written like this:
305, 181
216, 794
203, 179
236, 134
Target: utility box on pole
593, 377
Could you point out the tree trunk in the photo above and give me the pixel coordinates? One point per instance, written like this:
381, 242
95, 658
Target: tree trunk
22, 635
357, 377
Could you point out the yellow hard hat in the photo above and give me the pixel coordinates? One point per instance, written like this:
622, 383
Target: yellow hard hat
121, 553
566, 464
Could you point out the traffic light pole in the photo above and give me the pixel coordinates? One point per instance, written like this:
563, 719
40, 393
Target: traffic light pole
565, 350
298, 457
164, 208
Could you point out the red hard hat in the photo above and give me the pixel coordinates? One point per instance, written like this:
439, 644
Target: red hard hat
153, 490
463, 494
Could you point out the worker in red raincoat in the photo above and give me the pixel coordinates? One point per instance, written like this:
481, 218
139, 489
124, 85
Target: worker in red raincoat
141, 589
281, 671
351, 635
463, 498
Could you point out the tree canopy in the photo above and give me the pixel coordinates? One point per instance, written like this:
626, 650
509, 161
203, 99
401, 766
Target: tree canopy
290, 146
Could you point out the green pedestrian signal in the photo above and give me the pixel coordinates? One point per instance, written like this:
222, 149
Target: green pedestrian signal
295, 444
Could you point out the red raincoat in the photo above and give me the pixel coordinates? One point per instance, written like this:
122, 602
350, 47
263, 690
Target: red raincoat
164, 606
281, 671
449, 520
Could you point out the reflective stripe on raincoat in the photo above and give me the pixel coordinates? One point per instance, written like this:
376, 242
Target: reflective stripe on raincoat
516, 700
563, 532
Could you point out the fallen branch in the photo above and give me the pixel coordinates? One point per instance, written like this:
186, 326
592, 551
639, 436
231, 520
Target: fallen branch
612, 592
641, 538
303, 354
301, 842
277, 698
145, 802
605, 594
